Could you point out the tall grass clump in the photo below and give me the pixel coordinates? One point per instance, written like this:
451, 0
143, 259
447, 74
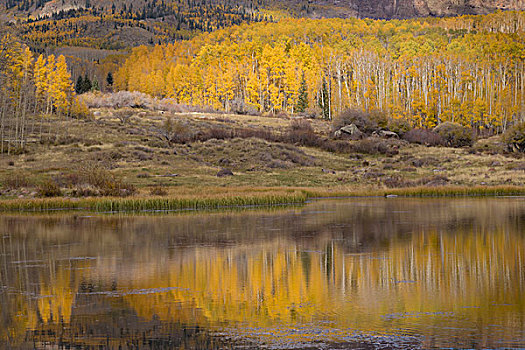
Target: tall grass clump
114, 204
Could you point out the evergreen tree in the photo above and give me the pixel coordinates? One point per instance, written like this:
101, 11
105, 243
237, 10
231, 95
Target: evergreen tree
302, 102
79, 85
109, 80
95, 86
86, 86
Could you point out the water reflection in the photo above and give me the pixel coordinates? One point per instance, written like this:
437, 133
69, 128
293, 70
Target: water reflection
429, 273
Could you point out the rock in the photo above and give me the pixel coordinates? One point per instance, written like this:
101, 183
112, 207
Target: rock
495, 163
224, 161
349, 130
372, 175
385, 134
391, 196
224, 172
328, 171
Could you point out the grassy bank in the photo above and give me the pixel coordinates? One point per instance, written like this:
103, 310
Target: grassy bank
242, 199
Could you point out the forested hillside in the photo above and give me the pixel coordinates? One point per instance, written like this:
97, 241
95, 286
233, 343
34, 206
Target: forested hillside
467, 69
122, 24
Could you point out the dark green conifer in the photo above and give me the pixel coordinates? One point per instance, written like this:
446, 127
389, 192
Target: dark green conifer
302, 102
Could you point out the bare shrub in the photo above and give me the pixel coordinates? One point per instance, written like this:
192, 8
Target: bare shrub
397, 181
260, 133
302, 133
173, 131
133, 99
311, 112
158, 191
239, 106
336, 146
123, 114
16, 180
424, 137
375, 146
215, 133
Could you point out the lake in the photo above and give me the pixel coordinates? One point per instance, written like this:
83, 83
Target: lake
333, 274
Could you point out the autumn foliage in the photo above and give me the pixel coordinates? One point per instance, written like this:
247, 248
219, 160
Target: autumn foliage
466, 70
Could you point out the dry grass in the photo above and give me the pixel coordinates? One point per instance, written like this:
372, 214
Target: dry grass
134, 153
217, 198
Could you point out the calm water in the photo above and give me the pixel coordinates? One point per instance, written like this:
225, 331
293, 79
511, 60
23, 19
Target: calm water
370, 273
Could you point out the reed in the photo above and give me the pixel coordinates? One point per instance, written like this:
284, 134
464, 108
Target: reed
422, 191
242, 198
110, 204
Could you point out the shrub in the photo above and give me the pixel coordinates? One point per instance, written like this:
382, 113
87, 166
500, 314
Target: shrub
16, 180
215, 133
374, 146
79, 110
514, 138
355, 116
123, 114
260, 133
454, 135
134, 100
239, 106
424, 137
379, 118
301, 132
311, 112
173, 131
106, 184
49, 189
336, 146
158, 191
399, 126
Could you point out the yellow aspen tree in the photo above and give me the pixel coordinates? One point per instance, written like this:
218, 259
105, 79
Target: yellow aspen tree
62, 86
40, 77
49, 84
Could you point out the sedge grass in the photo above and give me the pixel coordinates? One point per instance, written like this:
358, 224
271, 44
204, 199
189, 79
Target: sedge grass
244, 198
422, 191
110, 204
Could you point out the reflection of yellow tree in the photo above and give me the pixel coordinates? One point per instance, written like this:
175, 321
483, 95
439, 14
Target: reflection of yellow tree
283, 281
435, 272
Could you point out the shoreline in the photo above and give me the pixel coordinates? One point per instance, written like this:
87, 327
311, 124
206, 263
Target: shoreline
255, 198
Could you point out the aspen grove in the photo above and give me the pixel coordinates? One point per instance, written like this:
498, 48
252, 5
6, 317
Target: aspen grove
468, 70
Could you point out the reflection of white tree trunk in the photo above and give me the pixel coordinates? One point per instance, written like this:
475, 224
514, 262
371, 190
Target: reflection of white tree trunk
394, 8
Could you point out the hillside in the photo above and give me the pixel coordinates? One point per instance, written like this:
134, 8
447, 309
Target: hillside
148, 151
386, 9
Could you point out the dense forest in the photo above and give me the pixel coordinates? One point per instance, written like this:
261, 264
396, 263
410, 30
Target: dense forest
119, 25
466, 69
